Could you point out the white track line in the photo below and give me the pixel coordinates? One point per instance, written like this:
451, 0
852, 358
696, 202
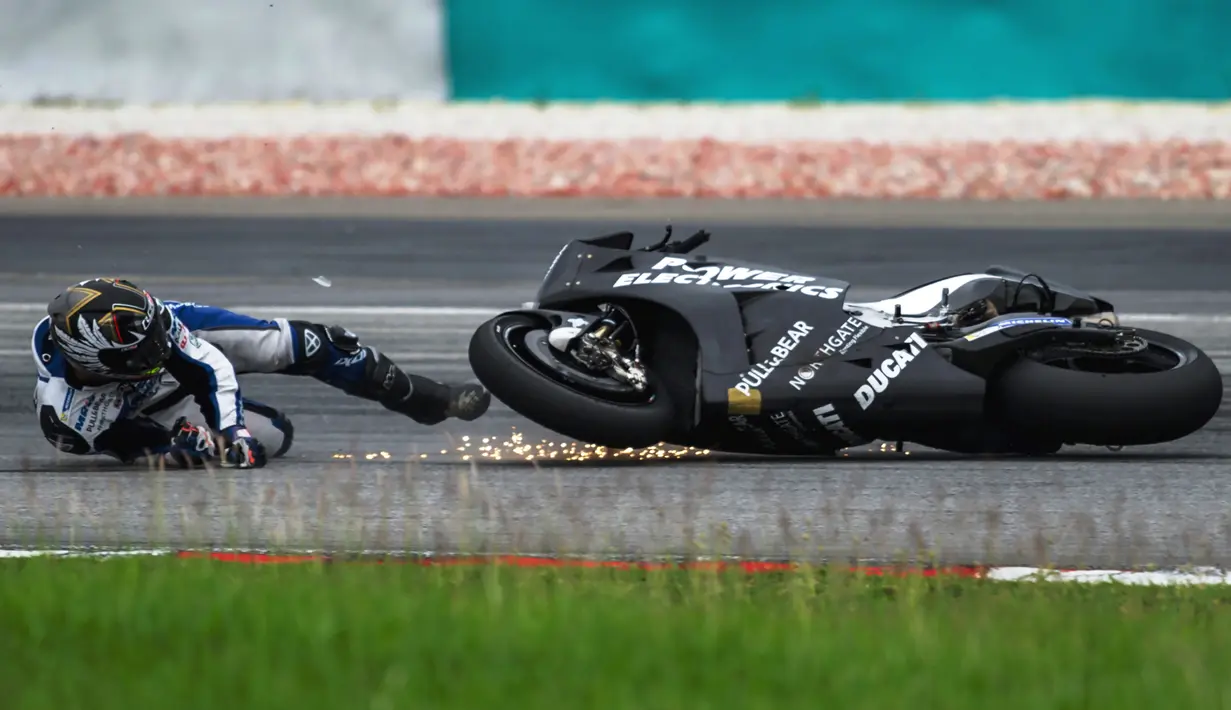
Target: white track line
1160, 578
23, 554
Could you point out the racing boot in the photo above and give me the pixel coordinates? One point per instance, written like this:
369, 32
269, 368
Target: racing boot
334, 355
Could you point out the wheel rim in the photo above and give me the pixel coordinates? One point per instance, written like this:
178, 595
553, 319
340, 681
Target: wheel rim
1155, 358
529, 344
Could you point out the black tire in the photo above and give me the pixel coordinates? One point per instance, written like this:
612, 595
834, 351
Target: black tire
500, 358
1043, 402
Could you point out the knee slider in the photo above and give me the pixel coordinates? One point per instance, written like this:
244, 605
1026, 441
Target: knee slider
342, 339
333, 354
317, 346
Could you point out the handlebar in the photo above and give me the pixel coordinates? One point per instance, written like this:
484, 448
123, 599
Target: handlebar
683, 247
692, 242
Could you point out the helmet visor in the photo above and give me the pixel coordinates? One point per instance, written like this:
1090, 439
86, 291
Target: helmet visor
142, 359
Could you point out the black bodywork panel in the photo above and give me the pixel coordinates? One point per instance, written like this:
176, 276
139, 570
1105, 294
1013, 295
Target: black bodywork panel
784, 368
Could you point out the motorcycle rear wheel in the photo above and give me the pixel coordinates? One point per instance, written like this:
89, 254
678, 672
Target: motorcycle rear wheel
1165, 393
510, 356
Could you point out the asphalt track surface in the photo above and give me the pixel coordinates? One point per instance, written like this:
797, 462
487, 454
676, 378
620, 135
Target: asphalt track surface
360, 477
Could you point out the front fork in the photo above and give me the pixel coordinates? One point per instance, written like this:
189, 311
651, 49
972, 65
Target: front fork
609, 326
597, 344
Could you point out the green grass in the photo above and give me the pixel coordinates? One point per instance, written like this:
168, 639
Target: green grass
178, 634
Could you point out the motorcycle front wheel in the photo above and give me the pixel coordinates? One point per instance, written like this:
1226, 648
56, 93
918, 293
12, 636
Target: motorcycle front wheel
512, 358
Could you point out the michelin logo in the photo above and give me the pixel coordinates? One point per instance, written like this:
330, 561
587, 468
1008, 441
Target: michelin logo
1014, 322
889, 370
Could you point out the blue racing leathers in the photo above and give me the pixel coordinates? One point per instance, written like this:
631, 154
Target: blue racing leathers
328, 353
212, 346
130, 419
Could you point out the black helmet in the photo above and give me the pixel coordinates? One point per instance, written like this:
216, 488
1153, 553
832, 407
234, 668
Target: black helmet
112, 328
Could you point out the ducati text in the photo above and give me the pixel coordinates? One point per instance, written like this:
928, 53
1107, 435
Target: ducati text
889, 369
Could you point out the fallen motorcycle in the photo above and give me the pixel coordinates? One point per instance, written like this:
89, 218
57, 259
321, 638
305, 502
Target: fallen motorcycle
630, 348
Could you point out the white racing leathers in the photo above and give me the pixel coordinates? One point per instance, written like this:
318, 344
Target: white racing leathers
127, 420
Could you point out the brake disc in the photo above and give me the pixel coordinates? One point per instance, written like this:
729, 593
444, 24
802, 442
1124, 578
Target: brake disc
1124, 345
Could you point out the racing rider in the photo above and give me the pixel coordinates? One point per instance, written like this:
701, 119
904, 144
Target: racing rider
120, 370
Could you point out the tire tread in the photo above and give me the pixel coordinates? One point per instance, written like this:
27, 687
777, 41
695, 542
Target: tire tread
564, 411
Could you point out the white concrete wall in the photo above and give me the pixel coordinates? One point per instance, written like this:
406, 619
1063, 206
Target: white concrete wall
140, 51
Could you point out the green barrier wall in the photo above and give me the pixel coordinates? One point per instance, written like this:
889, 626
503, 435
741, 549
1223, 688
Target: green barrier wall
838, 50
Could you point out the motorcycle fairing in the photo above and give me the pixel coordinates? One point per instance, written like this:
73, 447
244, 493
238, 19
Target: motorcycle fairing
780, 365
888, 384
711, 295
927, 303
1008, 289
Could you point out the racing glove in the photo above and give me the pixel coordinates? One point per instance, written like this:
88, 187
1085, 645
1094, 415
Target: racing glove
191, 445
238, 449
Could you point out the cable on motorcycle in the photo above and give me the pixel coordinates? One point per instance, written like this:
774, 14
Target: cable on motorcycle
1049, 297
660, 244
